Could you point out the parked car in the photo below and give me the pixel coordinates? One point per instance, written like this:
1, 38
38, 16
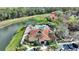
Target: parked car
69, 47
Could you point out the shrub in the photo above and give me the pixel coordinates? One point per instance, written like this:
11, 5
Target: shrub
54, 45
72, 20
48, 19
36, 43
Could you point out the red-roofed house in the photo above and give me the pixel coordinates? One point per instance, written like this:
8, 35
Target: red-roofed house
40, 34
53, 16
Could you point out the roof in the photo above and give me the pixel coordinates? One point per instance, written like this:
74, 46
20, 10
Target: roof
33, 32
44, 35
53, 12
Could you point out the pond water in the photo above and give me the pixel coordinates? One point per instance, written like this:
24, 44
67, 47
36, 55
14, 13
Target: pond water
6, 35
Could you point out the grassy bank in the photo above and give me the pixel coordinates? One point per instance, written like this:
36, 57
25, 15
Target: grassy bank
15, 40
17, 20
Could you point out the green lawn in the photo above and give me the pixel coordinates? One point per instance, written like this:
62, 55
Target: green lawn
15, 40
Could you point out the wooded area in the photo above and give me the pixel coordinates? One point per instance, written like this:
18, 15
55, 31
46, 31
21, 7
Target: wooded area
16, 12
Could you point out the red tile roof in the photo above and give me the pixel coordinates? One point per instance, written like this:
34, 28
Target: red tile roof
44, 34
33, 32
53, 15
